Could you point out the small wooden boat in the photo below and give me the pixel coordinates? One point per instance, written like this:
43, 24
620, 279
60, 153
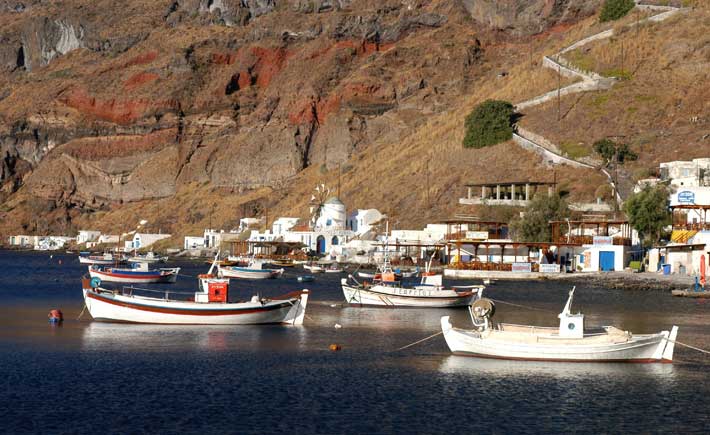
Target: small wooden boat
253, 271
569, 342
306, 278
148, 258
282, 263
138, 273
691, 293
209, 305
105, 259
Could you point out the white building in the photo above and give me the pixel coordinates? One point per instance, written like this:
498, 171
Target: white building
194, 242
361, 220
144, 240
87, 236
22, 241
51, 243
249, 223
694, 202
283, 224
692, 173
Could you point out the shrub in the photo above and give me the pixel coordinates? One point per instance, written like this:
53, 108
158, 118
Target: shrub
610, 151
615, 9
491, 122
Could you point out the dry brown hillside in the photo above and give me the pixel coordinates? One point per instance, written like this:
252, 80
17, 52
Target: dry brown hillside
192, 116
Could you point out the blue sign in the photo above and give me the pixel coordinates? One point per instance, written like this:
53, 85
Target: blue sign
686, 197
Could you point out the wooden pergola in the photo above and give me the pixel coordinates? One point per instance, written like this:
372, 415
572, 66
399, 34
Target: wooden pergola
519, 249
680, 219
454, 228
573, 231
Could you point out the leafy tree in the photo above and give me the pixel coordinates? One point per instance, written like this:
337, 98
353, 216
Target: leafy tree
491, 122
534, 226
615, 9
648, 212
610, 151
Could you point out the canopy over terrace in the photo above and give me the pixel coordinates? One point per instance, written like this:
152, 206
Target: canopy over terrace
455, 228
494, 253
265, 249
516, 193
691, 217
582, 232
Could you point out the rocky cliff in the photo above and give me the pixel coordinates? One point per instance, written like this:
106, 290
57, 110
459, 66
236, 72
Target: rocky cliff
104, 105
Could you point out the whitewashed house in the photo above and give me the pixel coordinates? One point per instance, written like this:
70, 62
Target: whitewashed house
87, 236
360, 221
22, 241
194, 242
144, 240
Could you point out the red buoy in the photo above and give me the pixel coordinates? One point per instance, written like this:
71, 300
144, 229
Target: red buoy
55, 316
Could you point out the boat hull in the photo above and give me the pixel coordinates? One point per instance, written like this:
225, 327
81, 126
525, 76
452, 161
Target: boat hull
379, 295
134, 277
107, 306
247, 273
638, 348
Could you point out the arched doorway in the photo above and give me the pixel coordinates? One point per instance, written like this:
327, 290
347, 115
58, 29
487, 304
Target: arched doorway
320, 243
334, 242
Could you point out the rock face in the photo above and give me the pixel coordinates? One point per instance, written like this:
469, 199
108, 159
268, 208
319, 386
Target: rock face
101, 105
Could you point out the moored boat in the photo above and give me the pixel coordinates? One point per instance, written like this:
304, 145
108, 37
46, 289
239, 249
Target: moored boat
253, 271
138, 273
306, 278
314, 268
568, 342
148, 258
104, 259
334, 268
392, 293
209, 305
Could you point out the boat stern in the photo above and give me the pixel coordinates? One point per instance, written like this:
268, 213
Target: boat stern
298, 310
664, 349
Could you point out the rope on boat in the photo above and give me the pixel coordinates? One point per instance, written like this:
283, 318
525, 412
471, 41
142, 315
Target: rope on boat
498, 301
419, 341
82, 311
688, 346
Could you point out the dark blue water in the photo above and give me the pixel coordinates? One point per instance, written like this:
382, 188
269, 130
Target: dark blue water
90, 377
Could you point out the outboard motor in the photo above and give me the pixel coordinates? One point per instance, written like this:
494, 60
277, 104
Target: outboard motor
481, 312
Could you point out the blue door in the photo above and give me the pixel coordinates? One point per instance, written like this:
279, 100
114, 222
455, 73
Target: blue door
606, 261
320, 241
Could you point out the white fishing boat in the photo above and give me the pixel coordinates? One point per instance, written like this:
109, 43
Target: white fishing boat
136, 273
313, 268
104, 259
209, 305
568, 342
254, 270
392, 293
334, 269
149, 258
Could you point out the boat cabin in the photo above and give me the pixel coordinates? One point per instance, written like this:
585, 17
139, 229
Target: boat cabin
571, 325
212, 290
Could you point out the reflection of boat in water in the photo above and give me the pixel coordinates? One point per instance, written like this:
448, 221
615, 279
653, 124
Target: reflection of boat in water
209, 305
569, 342
496, 368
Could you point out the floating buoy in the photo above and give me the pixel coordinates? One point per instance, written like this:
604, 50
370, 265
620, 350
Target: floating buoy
60, 261
55, 316
337, 326
334, 347
333, 305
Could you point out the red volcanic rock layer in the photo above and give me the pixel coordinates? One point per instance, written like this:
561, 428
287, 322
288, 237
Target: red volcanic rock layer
142, 59
139, 79
118, 111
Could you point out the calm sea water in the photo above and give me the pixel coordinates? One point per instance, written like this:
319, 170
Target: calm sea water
91, 377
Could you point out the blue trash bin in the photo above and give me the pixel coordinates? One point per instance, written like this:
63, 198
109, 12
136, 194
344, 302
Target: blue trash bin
666, 269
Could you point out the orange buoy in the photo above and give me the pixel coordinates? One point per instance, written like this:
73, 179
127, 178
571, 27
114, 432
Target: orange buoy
335, 347
55, 316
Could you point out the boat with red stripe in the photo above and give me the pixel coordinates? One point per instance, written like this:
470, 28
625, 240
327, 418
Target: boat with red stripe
137, 273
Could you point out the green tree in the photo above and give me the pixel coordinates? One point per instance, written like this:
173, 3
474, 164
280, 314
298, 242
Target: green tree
489, 123
534, 225
648, 212
610, 151
615, 9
